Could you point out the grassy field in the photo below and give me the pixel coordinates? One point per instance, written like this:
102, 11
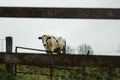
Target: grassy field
25, 72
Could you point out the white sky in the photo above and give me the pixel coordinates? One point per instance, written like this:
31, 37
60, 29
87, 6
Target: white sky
102, 35
62, 3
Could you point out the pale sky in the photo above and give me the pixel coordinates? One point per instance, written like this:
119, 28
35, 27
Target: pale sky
62, 3
101, 35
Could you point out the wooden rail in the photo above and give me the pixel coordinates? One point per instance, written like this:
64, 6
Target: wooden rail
59, 60
71, 13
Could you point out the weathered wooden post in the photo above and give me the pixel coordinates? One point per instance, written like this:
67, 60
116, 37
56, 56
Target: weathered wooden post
9, 67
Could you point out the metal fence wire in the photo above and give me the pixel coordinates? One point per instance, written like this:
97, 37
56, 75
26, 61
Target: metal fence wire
27, 72
51, 72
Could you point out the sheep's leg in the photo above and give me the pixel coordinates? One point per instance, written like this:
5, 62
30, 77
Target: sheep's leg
64, 50
52, 50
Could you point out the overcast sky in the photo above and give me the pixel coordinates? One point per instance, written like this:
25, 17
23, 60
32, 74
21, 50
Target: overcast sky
101, 35
62, 3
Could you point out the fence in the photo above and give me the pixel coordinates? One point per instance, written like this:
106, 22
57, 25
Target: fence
27, 72
64, 67
70, 13
16, 49
25, 66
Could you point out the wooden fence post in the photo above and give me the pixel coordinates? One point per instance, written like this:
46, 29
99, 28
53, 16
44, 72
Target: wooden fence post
9, 67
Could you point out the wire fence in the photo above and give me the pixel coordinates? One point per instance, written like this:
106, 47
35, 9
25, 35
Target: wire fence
27, 72
51, 72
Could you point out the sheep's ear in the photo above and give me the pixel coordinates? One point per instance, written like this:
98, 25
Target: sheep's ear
39, 37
